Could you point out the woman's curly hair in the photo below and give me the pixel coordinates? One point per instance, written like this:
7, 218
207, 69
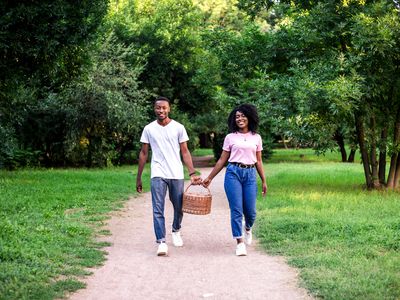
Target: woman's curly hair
250, 111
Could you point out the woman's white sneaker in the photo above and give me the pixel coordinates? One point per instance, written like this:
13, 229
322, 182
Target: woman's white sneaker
248, 236
162, 249
177, 239
241, 249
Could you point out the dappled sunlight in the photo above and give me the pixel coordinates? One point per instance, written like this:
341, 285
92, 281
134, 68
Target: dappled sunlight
313, 196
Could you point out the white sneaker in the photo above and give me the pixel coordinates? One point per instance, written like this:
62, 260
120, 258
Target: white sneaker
177, 239
241, 249
248, 236
162, 249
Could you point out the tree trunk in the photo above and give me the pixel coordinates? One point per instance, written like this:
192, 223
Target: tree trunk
394, 157
338, 137
382, 156
352, 155
373, 160
284, 141
363, 148
397, 174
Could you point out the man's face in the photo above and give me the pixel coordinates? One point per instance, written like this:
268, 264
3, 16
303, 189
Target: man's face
162, 109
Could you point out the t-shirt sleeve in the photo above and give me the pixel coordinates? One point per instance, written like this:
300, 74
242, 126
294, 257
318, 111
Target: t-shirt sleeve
183, 136
259, 144
145, 136
227, 144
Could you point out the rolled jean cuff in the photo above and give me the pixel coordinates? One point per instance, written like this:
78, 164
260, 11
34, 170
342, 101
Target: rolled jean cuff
161, 241
238, 237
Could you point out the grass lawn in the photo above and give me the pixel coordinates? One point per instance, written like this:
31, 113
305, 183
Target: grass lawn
202, 152
345, 240
48, 221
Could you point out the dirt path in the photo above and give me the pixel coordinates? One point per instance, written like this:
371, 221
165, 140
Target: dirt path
205, 267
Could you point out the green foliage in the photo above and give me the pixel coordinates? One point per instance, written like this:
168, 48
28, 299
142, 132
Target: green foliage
115, 107
7, 148
43, 42
167, 32
43, 46
311, 68
329, 63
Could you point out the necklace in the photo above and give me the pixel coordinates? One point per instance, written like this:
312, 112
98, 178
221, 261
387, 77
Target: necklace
244, 136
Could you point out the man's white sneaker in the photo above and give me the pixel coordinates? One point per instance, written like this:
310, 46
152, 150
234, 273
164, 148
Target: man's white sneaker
248, 236
162, 249
241, 249
177, 239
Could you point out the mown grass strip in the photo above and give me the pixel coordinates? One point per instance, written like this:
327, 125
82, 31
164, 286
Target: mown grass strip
48, 223
344, 239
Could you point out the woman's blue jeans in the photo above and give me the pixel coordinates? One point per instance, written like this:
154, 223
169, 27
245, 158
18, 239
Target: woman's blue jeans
241, 190
158, 192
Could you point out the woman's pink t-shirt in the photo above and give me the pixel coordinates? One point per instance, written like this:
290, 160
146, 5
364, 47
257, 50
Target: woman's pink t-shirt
243, 147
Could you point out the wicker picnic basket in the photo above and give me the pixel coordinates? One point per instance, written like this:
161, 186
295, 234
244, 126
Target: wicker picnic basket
196, 203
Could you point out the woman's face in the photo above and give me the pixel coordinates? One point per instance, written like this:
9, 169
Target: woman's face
241, 121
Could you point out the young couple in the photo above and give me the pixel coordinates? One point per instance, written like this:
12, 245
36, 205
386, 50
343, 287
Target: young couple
241, 149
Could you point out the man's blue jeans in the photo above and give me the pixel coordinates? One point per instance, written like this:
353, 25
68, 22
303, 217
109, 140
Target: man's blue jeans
241, 190
158, 192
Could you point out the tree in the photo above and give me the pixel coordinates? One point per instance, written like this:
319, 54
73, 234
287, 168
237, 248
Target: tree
43, 46
115, 107
348, 51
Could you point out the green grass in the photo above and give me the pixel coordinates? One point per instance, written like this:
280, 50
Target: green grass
304, 155
202, 152
48, 223
345, 240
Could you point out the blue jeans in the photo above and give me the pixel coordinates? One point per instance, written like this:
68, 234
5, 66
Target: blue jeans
241, 189
158, 192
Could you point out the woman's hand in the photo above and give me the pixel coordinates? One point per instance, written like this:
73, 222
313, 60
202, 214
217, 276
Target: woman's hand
264, 189
206, 182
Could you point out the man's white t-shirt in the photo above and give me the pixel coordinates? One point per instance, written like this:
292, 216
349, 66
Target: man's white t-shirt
165, 146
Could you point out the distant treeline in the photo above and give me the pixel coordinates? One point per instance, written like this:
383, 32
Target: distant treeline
77, 78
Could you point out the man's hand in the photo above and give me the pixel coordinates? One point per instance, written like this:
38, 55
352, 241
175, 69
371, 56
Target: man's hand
139, 187
195, 180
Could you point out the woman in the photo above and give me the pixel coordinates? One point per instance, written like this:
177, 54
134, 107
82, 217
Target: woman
242, 149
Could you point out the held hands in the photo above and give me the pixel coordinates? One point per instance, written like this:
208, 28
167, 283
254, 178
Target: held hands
195, 180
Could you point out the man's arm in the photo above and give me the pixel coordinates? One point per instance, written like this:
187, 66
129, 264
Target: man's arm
187, 159
144, 152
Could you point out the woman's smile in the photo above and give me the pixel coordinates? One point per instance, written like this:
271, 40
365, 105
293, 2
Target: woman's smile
241, 121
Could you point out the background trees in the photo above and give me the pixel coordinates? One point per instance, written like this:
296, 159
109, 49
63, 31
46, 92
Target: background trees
341, 61
77, 80
43, 46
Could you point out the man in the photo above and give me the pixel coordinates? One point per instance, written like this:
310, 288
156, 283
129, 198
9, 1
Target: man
167, 139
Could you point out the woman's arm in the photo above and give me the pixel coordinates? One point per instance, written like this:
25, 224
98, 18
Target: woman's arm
260, 170
217, 168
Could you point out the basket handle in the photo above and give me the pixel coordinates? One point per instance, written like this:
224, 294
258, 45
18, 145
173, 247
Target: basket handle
209, 192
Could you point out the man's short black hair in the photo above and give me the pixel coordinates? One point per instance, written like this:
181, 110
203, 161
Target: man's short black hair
161, 98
